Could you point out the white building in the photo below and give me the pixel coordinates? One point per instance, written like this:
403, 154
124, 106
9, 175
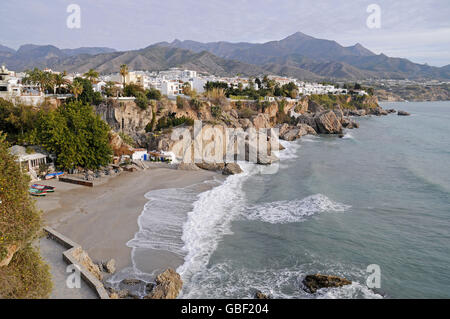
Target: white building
171, 88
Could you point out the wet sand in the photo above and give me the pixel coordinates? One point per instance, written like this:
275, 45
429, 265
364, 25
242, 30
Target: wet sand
103, 218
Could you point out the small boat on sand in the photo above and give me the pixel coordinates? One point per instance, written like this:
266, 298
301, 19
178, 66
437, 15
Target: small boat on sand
48, 189
53, 175
36, 192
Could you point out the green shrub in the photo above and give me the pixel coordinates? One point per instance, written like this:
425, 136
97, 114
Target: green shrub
154, 94
246, 113
171, 121
216, 111
127, 139
196, 104
26, 276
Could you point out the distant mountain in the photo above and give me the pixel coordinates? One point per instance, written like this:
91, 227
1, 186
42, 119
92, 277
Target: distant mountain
29, 56
329, 58
152, 58
6, 49
88, 50
299, 55
6, 52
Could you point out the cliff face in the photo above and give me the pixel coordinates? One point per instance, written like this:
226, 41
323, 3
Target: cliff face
125, 116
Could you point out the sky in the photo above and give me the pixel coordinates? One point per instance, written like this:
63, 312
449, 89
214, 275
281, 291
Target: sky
415, 29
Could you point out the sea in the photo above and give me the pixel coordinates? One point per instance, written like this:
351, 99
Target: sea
378, 198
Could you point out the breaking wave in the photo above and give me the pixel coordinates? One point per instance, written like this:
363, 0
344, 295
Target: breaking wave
282, 212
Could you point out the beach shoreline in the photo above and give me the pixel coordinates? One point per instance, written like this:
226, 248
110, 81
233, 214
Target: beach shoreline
103, 218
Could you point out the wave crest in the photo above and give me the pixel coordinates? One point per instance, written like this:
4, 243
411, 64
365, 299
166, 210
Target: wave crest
282, 212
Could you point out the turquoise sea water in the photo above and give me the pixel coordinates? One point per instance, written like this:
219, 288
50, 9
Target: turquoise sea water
379, 196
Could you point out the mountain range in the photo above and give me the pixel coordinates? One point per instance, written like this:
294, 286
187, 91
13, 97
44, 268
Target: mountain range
298, 55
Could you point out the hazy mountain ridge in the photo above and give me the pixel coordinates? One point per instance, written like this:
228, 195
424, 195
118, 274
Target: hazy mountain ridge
152, 58
299, 55
330, 59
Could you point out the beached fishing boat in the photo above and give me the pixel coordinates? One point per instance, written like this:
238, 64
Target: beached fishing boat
37, 192
48, 189
53, 175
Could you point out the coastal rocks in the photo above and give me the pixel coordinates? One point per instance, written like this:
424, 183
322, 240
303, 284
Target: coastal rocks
118, 146
377, 111
361, 112
318, 281
314, 107
328, 123
261, 121
308, 119
403, 113
110, 266
232, 169
168, 286
260, 295
211, 166
188, 167
120, 294
347, 123
84, 260
294, 133
391, 111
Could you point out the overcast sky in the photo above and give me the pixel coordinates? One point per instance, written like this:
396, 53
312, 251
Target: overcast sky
415, 29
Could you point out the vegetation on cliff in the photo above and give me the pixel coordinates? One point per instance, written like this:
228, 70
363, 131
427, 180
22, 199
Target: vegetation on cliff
344, 101
24, 275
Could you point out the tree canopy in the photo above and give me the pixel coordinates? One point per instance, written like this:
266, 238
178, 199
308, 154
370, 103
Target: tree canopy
76, 135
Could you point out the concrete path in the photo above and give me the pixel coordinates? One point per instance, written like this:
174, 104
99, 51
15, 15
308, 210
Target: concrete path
51, 252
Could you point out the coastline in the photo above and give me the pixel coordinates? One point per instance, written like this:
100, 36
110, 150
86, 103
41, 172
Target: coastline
104, 218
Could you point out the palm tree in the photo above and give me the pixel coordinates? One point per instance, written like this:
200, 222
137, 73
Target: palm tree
76, 88
91, 75
35, 77
123, 72
59, 81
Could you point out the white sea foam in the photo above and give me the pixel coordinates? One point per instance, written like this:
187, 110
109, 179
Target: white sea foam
348, 136
281, 212
290, 151
227, 281
210, 220
160, 223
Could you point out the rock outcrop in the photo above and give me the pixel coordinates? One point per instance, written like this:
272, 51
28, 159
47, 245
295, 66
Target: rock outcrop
168, 286
188, 167
328, 123
84, 260
211, 166
110, 266
318, 281
232, 169
260, 295
118, 146
296, 132
403, 113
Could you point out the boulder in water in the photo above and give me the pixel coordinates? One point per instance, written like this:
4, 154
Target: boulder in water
260, 295
168, 286
318, 281
403, 113
232, 169
328, 123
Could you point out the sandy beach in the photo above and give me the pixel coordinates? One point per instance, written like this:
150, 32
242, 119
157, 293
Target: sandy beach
102, 219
